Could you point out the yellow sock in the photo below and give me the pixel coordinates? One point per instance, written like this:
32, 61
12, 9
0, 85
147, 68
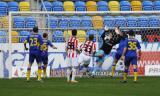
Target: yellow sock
44, 73
135, 76
39, 73
124, 76
113, 70
28, 74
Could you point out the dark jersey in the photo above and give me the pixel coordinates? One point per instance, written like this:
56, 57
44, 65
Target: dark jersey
109, 43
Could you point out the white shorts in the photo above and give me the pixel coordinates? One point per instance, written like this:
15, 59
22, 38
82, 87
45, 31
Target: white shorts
72, 62
84, 59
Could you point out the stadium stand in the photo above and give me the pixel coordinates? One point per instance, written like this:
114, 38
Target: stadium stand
125, 6
91, 6
46, 6
57, 6
102, 6
24, 6
3, 8
147, 5
80, 6
13, 6
114, 6
157, 5
136, 5
69, 6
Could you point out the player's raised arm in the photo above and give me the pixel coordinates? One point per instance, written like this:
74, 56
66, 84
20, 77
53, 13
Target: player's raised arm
25, 43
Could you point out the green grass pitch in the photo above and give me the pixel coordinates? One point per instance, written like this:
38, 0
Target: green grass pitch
147, 86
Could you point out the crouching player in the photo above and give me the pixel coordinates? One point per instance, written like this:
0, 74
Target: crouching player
72, 64
44, 52
131, 54
88, 50
35, 41
105, 49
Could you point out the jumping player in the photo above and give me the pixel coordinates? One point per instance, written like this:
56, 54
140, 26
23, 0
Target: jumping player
131, 54
35, 41
44, 52
88, 50
72, 65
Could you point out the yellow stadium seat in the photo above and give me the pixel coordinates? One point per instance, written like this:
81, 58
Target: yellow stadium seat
97, 22
81, 35
136, 5
67, 34
15, 38
91, 6
24, 6
5, 21
114, 6
69, 6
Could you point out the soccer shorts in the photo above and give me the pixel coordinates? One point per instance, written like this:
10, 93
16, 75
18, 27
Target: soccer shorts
33, 56
130, 60
84, 59
44, 59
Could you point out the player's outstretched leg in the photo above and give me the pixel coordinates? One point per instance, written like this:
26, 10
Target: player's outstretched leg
135, 73
68, 74
73, 75
28, 72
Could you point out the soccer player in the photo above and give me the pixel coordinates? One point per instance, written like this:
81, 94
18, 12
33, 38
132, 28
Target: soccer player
119, 52
35, 41
88, 50
44, 52
131, 54
105, 49
71, 47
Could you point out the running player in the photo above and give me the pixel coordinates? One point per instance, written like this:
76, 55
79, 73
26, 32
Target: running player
131, 54
35, 41
72, 64
44, 52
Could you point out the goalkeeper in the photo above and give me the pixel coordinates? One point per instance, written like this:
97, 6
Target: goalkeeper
105, 49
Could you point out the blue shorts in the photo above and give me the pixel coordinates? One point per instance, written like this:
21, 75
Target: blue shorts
44, 59
130, 60
33, 56
118, 56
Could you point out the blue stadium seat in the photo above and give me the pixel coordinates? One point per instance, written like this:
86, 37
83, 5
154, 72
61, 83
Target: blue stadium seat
30, 22
132, 21
156, 5
125, 6
23, 35
46, 6
3, 8
142, 21
102, 6
147, 5
52, 22
75, 22
3, 36
94, 32
64, 22
58, 36
154, 21
57, 6
120, 21
18, 22
80, 6
109, 21
13, 6
86, 22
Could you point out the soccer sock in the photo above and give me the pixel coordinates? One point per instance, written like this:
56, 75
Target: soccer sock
73, 74
39, 72
135, 74
125, 74
113, 69
44, 71
28, 73
68, 74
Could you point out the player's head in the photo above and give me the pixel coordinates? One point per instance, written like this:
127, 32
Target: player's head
74, 32
91, 37
131, 33
45, 35
35, 29
108, 35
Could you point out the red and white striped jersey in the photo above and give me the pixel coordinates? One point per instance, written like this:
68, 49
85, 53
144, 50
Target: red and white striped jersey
88, 47
71, 47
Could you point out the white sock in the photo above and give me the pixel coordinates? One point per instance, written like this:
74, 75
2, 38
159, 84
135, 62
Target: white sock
68, 74
73, 73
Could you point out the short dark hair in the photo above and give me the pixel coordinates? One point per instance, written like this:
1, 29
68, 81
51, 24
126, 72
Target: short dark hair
91, 37
35, 29
74, 32
131, 33
45, 35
